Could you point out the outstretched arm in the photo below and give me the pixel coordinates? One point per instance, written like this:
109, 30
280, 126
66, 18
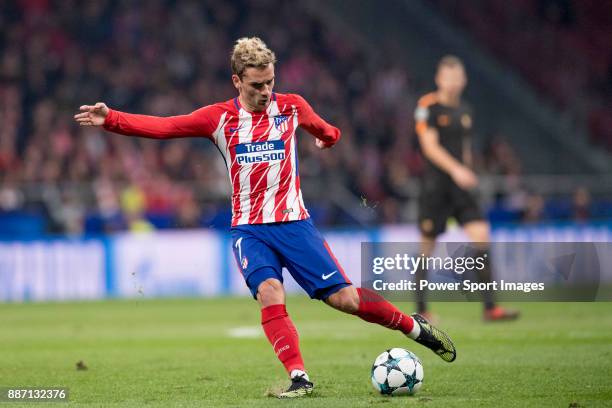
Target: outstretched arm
326, 134
197, 123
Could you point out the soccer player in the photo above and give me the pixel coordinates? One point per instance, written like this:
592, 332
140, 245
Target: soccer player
444, 127
271, 228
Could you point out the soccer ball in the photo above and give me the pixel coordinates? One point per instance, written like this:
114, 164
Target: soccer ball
397, 372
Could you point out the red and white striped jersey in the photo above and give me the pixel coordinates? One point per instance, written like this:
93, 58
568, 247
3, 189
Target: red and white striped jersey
259, 149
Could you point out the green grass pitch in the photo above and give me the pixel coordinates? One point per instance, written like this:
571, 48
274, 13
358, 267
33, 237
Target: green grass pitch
179, 353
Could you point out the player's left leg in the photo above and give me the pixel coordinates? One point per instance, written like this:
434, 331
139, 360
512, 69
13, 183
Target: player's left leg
373, 308
479, 233
469, 216
312, 264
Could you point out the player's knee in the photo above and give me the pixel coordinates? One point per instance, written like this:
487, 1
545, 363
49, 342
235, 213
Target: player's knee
270, 292
482, 235
478, 232
346, 300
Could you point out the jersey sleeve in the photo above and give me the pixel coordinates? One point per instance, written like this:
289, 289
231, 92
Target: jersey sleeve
424, 116
199, 123
314, 124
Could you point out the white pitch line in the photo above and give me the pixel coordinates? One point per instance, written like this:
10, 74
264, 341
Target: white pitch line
245, 332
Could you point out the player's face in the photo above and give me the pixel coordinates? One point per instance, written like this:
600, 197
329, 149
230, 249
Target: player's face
255, 87
451, 80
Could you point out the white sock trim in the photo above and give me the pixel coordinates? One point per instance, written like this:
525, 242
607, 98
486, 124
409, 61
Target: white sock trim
416, 329
295, 373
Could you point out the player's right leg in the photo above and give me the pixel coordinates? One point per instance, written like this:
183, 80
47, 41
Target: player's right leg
427, 247
283, 336
262, 272
434, 210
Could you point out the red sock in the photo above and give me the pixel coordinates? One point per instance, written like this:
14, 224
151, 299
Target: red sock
283, 336
374, 308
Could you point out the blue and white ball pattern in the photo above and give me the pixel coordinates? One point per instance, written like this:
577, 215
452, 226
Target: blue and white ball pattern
397, 372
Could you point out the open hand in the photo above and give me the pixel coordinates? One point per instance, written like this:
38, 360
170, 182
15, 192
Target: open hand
92, 115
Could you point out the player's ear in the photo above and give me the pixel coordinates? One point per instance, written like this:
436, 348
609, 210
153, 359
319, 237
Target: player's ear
236, 81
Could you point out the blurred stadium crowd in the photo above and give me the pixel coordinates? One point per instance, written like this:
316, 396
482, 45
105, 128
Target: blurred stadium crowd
164, 58
571, 40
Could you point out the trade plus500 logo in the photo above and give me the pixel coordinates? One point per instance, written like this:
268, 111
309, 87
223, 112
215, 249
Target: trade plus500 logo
260, 152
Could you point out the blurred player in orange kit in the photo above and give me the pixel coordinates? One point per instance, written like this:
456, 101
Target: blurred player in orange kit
444, 128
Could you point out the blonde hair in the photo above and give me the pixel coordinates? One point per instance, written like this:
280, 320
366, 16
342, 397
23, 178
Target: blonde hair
251, 52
